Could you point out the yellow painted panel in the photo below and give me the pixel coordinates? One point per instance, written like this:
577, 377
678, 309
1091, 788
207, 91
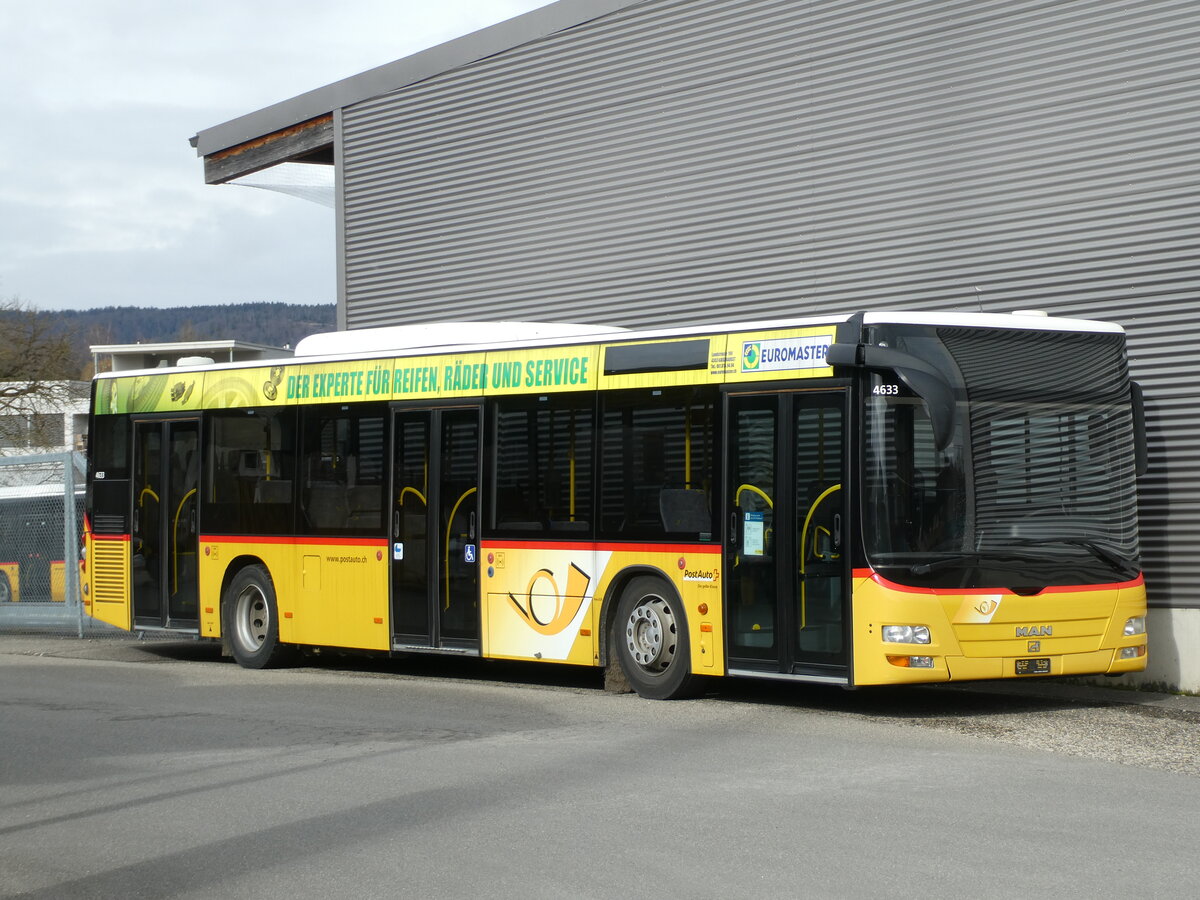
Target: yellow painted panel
349, 606
980, 635
58, 582
538, 602
12, 573
539, 598
328, 593
106, 597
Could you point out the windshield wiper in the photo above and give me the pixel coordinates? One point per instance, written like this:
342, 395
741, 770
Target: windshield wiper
1118, 564
961, 559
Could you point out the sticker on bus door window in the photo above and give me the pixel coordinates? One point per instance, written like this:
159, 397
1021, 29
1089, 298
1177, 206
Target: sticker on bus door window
397, 551
469, 553
752, 534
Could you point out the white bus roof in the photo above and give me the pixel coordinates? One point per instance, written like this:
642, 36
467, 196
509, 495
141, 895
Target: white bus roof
449, 337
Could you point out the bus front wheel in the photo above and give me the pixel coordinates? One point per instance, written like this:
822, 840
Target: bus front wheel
651, 642
251, 619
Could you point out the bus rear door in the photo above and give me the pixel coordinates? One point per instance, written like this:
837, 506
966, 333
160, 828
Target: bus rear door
166, 477
435, 529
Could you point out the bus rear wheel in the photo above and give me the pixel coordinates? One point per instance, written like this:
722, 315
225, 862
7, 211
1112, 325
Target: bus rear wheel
650, 637
250, 619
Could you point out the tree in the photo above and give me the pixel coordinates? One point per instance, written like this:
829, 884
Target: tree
36, 369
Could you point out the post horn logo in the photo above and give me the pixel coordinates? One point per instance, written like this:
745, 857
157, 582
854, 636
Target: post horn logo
549, 611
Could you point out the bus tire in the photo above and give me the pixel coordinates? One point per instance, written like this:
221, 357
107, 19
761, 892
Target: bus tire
649, 634
250, 619
6, 592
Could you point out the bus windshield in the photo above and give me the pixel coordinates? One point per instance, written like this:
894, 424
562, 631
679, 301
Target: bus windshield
1036, 485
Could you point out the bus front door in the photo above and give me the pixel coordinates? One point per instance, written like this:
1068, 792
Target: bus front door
166, 479
435, 529
786, 558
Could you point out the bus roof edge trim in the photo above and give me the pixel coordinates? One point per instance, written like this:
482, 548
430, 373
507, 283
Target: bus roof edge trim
436, 335
990, 320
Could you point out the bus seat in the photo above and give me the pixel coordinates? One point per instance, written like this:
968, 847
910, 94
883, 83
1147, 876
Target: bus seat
278, 490
521, 526
364, 504
326, 506
572, 527
684, 510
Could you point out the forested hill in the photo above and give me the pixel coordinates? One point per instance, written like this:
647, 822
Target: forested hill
276, 324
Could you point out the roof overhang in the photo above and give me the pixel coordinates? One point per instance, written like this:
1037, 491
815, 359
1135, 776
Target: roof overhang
302, 130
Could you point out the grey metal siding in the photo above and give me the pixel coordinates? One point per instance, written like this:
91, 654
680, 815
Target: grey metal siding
731, 159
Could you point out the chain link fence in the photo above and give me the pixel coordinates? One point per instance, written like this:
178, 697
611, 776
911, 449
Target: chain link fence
41, 520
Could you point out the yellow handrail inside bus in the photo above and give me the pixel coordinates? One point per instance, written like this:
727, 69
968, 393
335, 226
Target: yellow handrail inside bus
804, 550
737, 497
449, 528
411, 490
175, 540
142, 495
737, 501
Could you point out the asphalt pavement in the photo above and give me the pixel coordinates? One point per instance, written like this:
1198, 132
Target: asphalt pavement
159, 769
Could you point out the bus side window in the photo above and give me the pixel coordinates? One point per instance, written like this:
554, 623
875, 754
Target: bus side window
657, 450
343, 465
543, 465
250, 471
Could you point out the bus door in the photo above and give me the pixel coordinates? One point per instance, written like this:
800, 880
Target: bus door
435, 529
164, 535
786, 553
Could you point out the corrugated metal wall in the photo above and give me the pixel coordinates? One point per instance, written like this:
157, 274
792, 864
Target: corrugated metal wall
725, 159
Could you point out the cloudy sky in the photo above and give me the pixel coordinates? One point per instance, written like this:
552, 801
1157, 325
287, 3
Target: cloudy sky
103, 201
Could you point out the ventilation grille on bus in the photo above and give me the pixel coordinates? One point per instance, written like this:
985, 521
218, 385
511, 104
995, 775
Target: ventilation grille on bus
109, 575
110, 524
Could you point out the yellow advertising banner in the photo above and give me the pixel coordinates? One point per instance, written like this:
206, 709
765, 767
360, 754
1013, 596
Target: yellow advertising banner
705, 359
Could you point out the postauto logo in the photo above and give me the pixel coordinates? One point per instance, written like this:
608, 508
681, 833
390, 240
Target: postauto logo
786, 353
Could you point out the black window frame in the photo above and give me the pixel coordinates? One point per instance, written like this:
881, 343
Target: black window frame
538, 517
642, 515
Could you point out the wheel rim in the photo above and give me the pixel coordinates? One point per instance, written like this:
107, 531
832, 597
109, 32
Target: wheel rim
252, 617
650, 634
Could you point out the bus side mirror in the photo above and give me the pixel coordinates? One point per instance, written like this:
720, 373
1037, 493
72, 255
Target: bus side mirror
919, 376
1141, 446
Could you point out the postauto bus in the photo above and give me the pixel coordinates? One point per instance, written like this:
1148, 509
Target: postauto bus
869, 499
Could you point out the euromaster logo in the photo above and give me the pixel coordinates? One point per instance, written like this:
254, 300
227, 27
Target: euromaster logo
786, 353
751, 354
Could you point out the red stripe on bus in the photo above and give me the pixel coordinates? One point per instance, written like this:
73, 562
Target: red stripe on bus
305, 540
956, 592
498, 544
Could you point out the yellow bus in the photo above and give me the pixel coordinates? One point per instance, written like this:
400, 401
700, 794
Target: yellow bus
868, 499
32, 542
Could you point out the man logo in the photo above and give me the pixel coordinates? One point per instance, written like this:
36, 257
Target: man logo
1035, 630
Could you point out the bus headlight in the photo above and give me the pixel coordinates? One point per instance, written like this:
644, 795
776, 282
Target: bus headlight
1132, 652
1136, 625
908, 634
